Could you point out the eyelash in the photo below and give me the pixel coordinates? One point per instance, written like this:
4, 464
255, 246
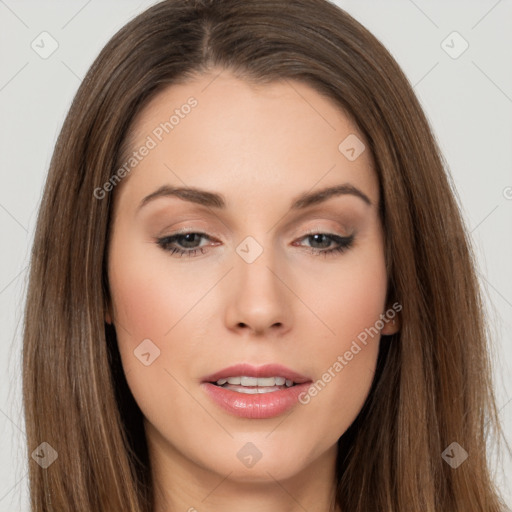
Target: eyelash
344, 243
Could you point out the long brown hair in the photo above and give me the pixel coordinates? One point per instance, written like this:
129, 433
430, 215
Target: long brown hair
433, 383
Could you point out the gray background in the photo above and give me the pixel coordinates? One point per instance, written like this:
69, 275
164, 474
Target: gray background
467, 99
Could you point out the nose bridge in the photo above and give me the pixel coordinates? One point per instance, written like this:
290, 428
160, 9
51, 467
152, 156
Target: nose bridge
255, 260
258, 297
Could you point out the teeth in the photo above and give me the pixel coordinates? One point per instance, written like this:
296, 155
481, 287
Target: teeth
254, 381
254, 391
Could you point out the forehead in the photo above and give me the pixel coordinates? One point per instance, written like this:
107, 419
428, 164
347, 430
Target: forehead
250, 141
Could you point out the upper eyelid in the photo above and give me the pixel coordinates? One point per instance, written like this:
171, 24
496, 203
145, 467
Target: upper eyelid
186, 231
343, 217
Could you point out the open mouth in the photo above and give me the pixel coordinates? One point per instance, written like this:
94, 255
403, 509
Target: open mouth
255, 398
253, 385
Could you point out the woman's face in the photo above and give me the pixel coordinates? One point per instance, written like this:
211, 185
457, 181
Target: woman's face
256, 285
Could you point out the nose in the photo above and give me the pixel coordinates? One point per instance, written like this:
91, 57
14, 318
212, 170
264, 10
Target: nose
259, 298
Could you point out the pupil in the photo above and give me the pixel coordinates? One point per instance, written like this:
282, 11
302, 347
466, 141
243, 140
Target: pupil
187, 238
315, 237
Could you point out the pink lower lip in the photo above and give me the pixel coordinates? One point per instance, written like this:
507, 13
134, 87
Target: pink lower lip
257, 406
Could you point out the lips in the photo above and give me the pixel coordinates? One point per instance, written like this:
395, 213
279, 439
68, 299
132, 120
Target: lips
248, 370
255, 402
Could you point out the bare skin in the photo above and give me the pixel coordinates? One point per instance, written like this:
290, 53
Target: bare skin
260, 147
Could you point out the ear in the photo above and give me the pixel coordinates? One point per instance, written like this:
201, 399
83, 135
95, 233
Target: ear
392, 325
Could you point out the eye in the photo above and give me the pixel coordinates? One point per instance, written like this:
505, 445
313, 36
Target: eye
188, 240
342, 243
187, 243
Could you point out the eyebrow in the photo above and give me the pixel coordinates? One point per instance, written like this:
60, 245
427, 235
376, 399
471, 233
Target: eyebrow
214, 200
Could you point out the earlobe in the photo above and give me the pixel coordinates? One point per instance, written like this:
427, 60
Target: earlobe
392, 326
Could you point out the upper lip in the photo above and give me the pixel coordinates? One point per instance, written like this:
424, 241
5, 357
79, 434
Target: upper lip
266, 370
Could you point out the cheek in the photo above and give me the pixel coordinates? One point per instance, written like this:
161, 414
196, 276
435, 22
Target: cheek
149, 300
141, 304
347, 296
149, 293
349, 303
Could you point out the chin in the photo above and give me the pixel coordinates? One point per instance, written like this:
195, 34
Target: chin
248, 463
